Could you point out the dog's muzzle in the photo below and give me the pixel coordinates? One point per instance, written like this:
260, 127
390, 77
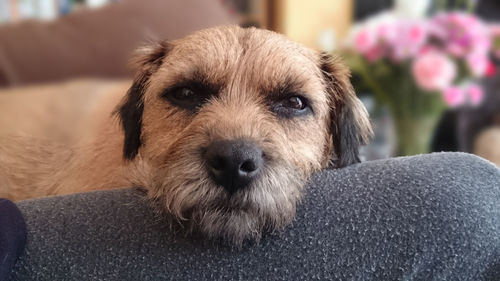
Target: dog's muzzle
233, 164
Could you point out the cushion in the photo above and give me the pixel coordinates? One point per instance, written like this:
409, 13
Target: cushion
427, 217
98, 42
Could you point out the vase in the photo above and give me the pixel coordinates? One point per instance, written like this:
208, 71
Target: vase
414, 134
415, 122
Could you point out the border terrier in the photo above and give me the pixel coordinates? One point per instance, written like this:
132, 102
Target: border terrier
222, 129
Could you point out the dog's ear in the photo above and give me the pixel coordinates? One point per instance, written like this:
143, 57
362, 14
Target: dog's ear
350, 126
146, 61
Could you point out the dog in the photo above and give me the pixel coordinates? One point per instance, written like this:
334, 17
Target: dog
222, 129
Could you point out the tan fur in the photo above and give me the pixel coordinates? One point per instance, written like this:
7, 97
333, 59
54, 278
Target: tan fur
59, 139
248, 65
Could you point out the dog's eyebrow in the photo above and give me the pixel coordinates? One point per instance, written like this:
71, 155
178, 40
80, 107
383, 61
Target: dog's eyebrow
283, 88
199, 78
196, 79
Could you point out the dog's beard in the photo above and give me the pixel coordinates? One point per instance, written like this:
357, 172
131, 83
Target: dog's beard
183, 189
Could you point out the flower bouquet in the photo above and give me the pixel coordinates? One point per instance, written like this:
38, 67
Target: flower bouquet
419, 67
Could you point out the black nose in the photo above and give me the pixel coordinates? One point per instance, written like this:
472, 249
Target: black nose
233, 163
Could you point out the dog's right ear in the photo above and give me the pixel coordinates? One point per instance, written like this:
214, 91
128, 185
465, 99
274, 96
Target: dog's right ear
129, 111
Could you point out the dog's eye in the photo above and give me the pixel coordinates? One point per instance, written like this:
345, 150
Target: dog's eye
291, 106
187, 97
295, 103
183, 94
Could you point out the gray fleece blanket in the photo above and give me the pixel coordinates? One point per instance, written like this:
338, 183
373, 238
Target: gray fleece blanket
429, 217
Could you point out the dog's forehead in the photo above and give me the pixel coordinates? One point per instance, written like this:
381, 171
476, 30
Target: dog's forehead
252, 57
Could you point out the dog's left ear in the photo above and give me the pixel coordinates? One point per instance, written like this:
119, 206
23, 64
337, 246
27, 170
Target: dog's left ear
350, 126
146, 62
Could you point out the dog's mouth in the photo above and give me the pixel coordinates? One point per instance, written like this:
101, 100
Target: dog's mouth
226, 202
220, 211
227, 219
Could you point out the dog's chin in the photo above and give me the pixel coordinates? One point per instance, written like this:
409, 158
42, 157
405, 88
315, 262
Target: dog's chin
233, 225
191, 198
244, 215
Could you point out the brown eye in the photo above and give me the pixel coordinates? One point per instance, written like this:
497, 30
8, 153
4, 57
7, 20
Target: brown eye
186, 97
190, 96
183, 94
291, 106
295, 103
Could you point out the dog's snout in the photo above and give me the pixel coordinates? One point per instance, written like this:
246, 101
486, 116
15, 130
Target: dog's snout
233, 163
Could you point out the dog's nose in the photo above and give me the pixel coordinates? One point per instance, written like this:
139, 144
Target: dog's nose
233, 163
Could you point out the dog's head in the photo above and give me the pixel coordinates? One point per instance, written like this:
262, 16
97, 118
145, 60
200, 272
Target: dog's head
225, 126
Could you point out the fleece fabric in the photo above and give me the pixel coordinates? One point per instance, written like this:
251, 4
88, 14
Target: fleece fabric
428, 217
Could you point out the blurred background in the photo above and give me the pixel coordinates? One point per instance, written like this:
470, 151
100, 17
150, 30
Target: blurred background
426, 70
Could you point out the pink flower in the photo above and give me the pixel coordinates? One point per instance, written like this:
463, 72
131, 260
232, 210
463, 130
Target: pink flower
456, 49
475, 93
433, 71
373, 54
477, 63
416, 33
426, 49
491, 70
387, 32
411, 36
495, 29
461, 34
364, 40
481, 43
454, 96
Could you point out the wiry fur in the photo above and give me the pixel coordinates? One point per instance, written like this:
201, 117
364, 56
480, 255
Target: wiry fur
163, 145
